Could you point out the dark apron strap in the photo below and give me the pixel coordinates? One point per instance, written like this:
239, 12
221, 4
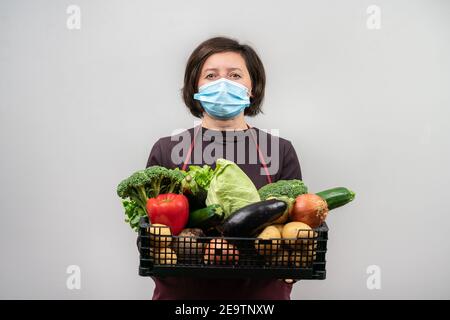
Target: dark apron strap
260, 155
191, 147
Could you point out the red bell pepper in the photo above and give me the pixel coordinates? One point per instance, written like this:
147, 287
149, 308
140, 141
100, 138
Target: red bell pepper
169, 209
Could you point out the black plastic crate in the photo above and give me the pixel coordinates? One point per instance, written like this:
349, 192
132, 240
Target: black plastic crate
227, 257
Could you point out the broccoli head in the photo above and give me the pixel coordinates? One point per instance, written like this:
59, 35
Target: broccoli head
133, 187
149, 183
171, 182
289, 188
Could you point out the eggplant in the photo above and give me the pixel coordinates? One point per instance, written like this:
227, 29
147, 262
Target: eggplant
253, 218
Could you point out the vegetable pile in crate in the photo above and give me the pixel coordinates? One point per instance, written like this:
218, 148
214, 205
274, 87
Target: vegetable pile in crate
215, 223
296, 252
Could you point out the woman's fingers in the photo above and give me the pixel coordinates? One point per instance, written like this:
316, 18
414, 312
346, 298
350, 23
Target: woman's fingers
289, 281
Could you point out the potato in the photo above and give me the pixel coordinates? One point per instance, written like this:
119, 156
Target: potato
279, 259
302, 259
309, 245
219, 251
268, 241
187, 247
279, 226
300, 231
163, 256
160, 236
307, 251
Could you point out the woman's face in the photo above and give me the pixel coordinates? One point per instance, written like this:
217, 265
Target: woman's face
229, 65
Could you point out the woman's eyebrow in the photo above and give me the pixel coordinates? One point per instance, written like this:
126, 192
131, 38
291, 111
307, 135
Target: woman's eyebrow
216, 69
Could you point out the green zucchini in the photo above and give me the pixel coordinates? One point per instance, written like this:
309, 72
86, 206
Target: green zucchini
206, 218
336, 197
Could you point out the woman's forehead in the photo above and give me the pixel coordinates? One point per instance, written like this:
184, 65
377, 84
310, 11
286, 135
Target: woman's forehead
225, 60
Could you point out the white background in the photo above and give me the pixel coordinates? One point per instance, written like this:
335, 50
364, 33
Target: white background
81, 109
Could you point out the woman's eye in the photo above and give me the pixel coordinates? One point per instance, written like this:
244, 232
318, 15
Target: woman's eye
236, 76
209, 76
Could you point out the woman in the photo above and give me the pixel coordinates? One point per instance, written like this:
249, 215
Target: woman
224, 81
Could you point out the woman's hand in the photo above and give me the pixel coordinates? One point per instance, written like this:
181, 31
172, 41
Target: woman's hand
289, 281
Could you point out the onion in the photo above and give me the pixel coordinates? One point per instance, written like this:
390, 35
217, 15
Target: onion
309, 208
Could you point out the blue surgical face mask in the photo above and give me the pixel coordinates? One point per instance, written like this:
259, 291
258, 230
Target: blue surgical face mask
223, 98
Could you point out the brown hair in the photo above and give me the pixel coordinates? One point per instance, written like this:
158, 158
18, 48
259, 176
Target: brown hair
216, 45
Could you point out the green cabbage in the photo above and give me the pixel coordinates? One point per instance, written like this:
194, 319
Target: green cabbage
231, 188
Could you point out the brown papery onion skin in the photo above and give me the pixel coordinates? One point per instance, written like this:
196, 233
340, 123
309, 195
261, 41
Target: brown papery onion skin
309, 208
